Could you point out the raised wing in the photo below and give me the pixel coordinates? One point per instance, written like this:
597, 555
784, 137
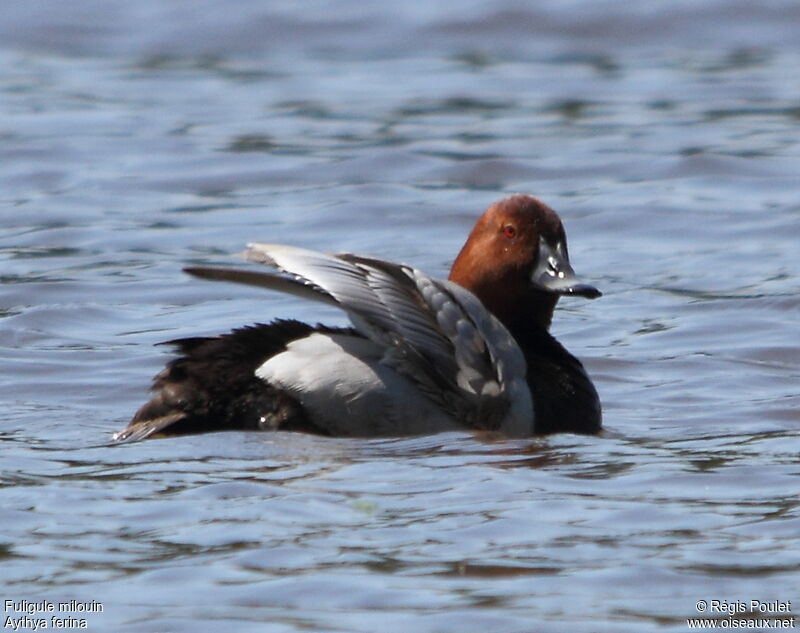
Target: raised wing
435, 332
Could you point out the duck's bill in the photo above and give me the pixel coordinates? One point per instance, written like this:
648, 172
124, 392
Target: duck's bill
562, 287
553, 273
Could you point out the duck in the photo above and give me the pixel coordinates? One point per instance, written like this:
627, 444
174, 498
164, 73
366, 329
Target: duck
423, 355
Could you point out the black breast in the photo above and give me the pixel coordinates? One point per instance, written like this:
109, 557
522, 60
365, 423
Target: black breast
564, 398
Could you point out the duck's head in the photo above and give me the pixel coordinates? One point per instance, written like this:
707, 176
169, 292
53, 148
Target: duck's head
515, 261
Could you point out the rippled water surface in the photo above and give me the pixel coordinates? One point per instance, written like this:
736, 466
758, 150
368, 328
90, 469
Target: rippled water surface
137, 138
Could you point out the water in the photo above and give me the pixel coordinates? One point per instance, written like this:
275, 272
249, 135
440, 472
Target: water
137, 138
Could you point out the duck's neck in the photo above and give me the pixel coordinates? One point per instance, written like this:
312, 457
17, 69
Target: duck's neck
504, 290
518, 311
533, 310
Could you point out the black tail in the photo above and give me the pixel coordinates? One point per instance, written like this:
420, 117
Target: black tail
212, 386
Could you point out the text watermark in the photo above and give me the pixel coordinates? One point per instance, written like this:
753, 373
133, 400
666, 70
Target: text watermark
40, 615
740, 614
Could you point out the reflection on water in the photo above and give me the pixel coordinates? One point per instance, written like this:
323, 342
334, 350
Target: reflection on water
138, 139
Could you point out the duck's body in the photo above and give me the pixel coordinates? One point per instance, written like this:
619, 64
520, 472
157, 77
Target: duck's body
424, 356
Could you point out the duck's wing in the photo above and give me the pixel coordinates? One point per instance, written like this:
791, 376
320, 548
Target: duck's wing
435, 332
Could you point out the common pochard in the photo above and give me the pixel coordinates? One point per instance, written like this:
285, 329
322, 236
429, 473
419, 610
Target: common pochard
424, 355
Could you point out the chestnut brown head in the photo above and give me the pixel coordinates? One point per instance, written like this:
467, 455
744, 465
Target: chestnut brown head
516, 262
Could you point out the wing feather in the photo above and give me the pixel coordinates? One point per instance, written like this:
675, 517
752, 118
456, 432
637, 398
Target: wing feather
435, 333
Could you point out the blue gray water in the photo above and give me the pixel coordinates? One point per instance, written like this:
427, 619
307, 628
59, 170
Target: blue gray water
139, 137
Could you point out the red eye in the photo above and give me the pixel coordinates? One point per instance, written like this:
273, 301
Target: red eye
509, 231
